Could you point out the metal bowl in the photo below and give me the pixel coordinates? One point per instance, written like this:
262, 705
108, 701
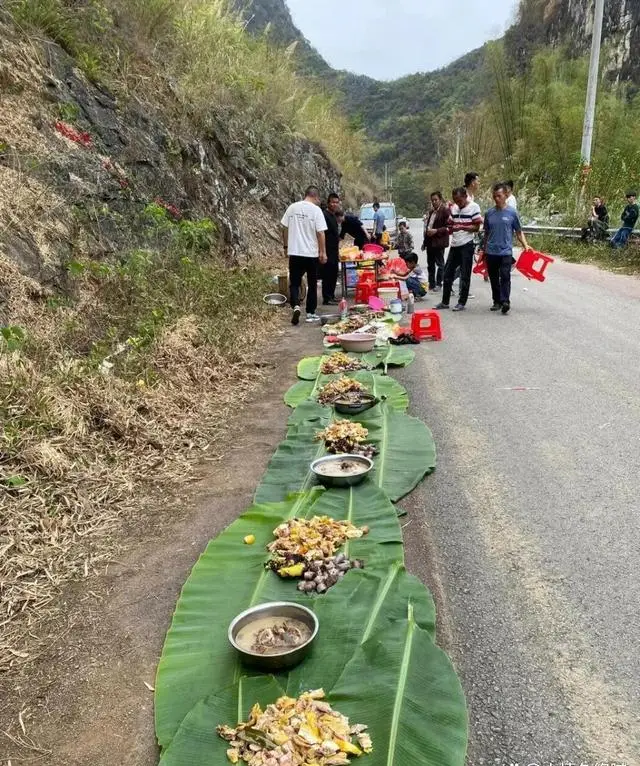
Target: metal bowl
329, 319
367, 402
342, 481
358, 342
275, 299
280, 610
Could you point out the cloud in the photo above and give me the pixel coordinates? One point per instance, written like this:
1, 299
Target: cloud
392, 38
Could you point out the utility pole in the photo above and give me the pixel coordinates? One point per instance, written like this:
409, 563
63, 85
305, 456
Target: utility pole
592, 88
458, 139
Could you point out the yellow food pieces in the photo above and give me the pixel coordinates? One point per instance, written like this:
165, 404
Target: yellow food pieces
297, 570
249, 539
305, 732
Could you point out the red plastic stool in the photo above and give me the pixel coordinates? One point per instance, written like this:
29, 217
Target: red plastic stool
529, 264
481, 268
426, 324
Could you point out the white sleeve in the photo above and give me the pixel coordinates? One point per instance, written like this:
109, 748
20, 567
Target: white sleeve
321, 224
285, 218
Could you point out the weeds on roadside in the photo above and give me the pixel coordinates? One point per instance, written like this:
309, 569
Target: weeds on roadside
139, 365
626, 260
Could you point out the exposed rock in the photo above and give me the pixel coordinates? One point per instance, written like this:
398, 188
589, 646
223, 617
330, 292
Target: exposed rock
61, 196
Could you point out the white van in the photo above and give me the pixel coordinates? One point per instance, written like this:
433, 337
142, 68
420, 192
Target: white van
388, 209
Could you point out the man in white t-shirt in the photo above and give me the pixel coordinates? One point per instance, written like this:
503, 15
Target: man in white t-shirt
465, 221
512, 202
303, 228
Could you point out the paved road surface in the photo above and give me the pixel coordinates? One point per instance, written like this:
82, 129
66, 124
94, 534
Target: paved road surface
529, 532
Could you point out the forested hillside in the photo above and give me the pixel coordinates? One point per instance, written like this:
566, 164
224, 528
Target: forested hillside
494, 99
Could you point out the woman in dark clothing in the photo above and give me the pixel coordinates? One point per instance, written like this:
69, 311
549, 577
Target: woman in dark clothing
436, 239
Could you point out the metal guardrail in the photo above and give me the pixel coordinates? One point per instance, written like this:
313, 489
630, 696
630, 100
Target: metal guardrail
566, 231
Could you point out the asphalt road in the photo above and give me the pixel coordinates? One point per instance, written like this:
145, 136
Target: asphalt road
529, 531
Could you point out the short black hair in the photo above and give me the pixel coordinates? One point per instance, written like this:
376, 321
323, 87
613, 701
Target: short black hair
509, 185
333, 195
437, 194
376, 205
411, 258
460, 191
631, 194
501, 185
470, 177
312, 191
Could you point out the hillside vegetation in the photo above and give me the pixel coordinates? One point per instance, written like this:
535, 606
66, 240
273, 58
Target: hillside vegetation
518, 105
146, 151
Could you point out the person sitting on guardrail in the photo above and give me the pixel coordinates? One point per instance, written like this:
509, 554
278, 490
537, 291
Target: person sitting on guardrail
629, 218
598, 222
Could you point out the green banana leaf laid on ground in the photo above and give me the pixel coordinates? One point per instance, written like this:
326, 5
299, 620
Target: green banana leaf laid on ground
405, 689
406, 453
389, 356
398, 683
379, 385
230, 576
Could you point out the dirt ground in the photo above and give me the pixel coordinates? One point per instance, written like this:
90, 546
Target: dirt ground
87, 699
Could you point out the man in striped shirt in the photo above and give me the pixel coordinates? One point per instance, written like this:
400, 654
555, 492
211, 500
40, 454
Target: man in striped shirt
465, 221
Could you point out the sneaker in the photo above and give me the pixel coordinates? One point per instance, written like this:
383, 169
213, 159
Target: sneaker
435, 289
296, 315
505, 307
496, 307
330, 302
471, 297
459, 307
312, 318
442, 306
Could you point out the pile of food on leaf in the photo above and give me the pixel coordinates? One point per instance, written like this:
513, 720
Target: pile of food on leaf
296, 732
307, 549
347, 438
340, 362
340, 390
351, 323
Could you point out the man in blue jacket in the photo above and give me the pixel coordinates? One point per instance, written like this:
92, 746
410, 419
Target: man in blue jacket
500, 224
629, 219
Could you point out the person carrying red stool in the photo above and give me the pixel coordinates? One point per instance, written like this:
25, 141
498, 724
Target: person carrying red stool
500, 224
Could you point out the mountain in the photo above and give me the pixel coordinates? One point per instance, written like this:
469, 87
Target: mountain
407, 117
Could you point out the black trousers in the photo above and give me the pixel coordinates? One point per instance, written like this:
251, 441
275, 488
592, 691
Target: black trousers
462, 258
299, 265
329, 276
435, 266
499, 267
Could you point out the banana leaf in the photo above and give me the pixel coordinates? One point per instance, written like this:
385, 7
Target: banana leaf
379, 385
406, 453
197, 742
229, 577
407, 450
405, 689
398, 683
388, 356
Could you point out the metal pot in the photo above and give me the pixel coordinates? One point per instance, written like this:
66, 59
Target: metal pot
279, 610
366, 403
329, 319
275, 299
332, 482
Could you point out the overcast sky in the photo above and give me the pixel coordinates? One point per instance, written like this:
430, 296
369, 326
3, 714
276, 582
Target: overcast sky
390, 38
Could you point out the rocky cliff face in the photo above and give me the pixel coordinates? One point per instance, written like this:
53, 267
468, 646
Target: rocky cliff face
570, 22
79, 164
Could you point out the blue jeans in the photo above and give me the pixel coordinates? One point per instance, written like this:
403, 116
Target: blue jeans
620, 238
414, 285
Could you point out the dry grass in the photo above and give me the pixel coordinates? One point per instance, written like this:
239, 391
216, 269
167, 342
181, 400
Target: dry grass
79, 449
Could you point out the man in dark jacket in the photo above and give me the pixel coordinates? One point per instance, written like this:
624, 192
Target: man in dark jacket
436, 239
329, 270
352, 225
629, 219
